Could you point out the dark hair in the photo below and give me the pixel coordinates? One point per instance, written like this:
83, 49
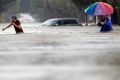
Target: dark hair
14, 17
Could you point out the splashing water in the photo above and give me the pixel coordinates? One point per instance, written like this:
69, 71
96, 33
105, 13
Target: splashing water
26, 18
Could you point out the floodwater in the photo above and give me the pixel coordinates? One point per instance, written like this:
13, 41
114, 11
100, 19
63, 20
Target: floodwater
59, 53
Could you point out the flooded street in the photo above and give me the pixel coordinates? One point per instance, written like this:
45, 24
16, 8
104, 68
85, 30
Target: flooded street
59, 53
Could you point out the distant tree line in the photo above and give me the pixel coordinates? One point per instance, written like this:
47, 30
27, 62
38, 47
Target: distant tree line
45, 9
3, 4
40, 9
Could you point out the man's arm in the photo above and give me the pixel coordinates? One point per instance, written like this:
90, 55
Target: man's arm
7, 27
18, 26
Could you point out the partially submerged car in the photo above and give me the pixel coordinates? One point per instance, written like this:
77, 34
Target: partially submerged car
62, 22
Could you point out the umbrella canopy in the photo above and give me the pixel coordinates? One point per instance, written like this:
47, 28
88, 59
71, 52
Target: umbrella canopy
99, 8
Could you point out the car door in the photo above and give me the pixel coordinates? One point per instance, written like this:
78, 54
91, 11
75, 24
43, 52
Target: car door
59, 22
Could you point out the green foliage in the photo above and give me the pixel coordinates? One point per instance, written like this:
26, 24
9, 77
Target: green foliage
3, 4
85, 3
45, 9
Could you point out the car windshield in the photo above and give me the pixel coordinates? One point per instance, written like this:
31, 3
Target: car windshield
50, 22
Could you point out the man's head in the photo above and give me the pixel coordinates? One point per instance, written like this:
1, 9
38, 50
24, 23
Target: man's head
103, 17
14, 18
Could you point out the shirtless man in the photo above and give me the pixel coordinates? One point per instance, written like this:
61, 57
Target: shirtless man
17, 25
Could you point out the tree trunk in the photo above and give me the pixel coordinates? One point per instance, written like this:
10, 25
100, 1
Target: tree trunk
115, 17
119, 16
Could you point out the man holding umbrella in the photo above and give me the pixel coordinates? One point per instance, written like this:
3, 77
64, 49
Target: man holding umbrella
105, 23
101, 9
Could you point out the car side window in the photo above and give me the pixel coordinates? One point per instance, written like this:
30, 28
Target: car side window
59, 22
65, 22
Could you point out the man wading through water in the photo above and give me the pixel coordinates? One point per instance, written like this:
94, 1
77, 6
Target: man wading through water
17, 25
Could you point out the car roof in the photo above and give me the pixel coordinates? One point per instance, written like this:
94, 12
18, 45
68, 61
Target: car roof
63, 19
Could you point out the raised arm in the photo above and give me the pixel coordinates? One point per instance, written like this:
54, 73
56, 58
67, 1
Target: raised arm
7, 27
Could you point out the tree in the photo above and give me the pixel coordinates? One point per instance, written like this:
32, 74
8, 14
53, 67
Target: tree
82, 4
45, 9
3, 4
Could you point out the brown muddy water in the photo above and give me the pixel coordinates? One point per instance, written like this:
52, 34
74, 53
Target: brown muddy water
59, 53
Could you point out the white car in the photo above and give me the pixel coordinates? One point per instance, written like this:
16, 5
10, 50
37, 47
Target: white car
61, 22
